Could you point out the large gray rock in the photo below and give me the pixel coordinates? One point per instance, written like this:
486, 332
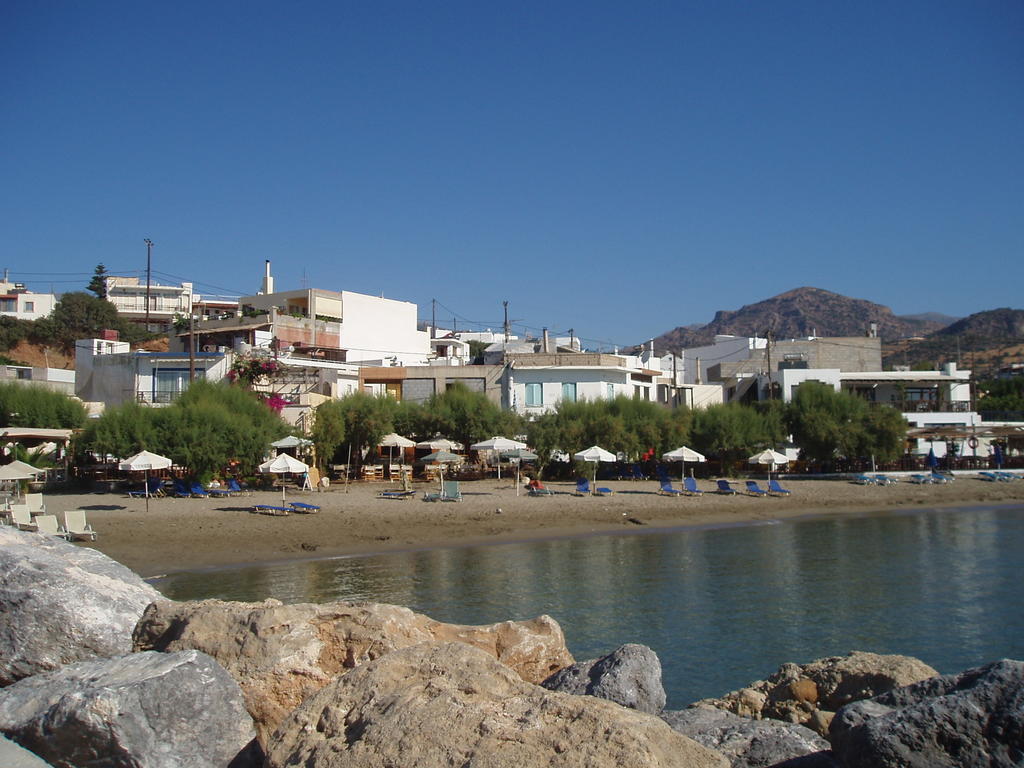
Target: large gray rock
809, 694
437, 706
970, 719
280, 654
750, 743
145, 710
63, 603
630, 675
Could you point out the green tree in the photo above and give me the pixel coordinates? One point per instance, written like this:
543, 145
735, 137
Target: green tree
98, 284
1001, 394
121, 431
465, 416
29, 406
358, 420
730, 431
328, 431
886, 432
76, 316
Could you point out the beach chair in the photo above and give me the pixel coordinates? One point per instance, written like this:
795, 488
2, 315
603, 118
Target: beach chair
885, 480
197, 490
76, 526
181, 489
636, 473
450, 491
690, 487
396, 494
865, 480
154, 485
582, 487
302, 508
774, 489
34, 502
666, 489
21, 519
217, 493
48, 524
918, 479
724, 486
235, 488
753, 489
271, 509
941, 477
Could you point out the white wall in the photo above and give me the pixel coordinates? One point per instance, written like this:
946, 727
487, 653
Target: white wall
375, 328
29, 306
591, 384
791, 378
726, 349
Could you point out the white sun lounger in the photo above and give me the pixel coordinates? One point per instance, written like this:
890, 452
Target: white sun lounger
35, 503
48, 524
77, 527
22, 518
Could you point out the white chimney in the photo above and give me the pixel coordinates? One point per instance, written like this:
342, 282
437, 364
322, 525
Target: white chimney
268, 281
696, 371
544, 344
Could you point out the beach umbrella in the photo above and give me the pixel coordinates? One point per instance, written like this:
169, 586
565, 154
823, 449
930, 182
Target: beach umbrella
516, 456
441, 458
440, 444
683, 455
595, 454
292, 442
997, 455
497, 444
393, 440
932, 459
770, 458
283, 464
18, 470
143, 461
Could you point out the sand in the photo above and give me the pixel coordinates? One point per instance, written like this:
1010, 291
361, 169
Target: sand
192, 534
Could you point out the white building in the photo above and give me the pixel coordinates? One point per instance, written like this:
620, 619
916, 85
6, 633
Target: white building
19, 302
128, 295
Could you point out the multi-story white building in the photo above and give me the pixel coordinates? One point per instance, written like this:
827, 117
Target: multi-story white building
128, 295
19, 302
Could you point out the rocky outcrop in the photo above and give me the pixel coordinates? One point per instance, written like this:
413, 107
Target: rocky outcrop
811, 693
973, 718
146, 710
630, 675
451, 704
280, 654
748, 743
62, 603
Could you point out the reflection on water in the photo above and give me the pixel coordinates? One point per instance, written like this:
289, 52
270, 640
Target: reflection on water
721, 607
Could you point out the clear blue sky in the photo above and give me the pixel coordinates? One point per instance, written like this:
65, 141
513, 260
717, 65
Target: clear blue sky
617, 168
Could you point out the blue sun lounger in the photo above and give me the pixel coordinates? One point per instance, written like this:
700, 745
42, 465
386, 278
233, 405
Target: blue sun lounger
666, 489
583, 489
690, 487
753, 489
774, 489
270, 509
724, 486
302, 508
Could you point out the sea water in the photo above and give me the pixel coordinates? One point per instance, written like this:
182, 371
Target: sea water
721, 607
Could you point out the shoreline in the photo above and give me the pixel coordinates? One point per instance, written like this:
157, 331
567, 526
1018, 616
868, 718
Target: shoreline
195, 535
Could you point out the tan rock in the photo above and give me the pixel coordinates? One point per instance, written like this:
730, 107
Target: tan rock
794, 693
280, 654
452, 704
819, 721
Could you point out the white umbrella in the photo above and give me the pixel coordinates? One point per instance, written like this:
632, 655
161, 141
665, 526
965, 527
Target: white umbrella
769, 458
595, 453
497, 444
143, 461
292, 442
441, 458
282, 464
19, 470
394, 440
440, 444
683, 455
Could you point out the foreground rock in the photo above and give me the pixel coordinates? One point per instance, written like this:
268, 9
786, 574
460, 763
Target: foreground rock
810, 694
630, 675
147, 710
451, 704
973, 718
62, 603
13, 756
750, 743
280, 654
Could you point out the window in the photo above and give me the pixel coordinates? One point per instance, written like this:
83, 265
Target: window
569, 392
8, 305
171, 382
534, 394
611, 391
30, 306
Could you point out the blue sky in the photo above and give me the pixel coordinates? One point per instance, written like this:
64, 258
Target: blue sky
616, 168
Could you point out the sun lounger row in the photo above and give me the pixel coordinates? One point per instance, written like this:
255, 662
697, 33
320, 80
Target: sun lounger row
296, 507
75, 525
998, 476
195, 490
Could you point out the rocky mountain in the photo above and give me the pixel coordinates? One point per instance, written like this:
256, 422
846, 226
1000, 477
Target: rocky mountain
1001, 323
802, 312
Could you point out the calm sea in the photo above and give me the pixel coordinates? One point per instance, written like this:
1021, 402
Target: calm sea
721, 607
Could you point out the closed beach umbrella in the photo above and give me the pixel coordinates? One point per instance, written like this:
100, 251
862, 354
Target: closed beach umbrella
143, 461
283, 464
683, 455
932, 460
997, 455
595, 454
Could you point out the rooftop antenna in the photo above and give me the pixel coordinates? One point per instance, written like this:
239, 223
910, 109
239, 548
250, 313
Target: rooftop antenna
508, 328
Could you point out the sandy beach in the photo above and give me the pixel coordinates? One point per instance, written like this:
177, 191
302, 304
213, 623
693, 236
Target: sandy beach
191, 534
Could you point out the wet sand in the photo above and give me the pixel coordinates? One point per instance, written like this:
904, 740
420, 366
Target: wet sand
191, 534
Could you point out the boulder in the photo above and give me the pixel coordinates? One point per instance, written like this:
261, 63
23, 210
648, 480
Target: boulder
972, 718
750, 743
809, 694
452, 704
280, 654
146, 710
630, 675
63, 603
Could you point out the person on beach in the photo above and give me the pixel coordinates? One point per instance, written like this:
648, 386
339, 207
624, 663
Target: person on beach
535, 485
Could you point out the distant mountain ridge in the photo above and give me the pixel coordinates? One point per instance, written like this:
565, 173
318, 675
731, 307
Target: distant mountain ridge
803, 312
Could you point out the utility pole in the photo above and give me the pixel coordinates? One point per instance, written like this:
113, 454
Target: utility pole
433, 318
572, 339
191, 345
508, 329
149, 270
